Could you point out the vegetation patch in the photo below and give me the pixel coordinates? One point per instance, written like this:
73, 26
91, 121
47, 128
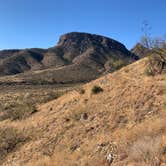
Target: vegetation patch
81, 91
119, 64
10, 140
21, 105
96, 89
18, 112
156, 63
148, 149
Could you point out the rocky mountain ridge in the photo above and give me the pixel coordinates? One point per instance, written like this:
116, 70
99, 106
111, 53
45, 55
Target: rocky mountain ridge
75, 55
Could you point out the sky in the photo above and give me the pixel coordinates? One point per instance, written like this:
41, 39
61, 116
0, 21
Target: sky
39, 23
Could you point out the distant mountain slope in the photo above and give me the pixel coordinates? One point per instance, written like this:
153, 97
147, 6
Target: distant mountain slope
74, 54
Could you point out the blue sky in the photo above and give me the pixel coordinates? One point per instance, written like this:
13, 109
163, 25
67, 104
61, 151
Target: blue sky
39, 23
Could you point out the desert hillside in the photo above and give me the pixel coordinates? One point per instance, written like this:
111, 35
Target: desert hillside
75, 55
122, 114
140, 50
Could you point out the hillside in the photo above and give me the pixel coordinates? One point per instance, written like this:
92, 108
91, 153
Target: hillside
75, 55
140, 50
125, 117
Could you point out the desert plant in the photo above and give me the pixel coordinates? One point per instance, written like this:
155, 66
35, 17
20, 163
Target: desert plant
146, 150
20, 111
156, 63
81, 90
10, 139
117, 64
96, 89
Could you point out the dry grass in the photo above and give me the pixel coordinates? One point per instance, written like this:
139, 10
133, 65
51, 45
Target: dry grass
125, 120
147, 150
10, 140
19, 103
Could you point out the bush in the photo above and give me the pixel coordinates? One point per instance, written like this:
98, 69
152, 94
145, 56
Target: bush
81, 91
96, 89
156, 63
10, 139
146, 150
18, 112
118, 64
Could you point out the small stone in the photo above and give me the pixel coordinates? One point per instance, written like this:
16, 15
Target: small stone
73, 148
109, 159
84, 116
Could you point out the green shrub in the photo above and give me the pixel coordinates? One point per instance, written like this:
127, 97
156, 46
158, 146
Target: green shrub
117, 64
96, 89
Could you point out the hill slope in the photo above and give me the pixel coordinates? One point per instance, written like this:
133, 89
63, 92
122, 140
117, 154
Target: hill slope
75, 55
140, 50
126, 119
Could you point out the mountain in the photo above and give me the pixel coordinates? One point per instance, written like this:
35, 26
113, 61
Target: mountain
122, 114
77, 57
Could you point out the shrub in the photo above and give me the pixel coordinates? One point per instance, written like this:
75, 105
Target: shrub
118, 64
81, 91
10, 139
146, 150
156, 63
96, 89
51, 96
18, 112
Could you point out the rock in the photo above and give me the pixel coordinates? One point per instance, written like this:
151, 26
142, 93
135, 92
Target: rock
109, 159
74, 147
84, 116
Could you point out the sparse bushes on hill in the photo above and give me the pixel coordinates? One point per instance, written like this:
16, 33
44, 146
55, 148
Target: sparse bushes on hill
146, 150
10, 139
156, 62
118, 64
81, 91
24, 105
96, 89
18, 111
157, 48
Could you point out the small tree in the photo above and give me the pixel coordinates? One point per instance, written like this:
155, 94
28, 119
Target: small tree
146, 37
157, 46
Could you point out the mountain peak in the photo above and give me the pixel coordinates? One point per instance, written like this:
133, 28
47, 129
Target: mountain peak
88, 40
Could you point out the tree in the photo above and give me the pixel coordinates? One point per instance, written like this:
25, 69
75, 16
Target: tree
146, 37
157, 46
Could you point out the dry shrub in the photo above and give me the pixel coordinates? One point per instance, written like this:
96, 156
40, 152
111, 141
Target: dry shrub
81, 91
96, 89
10, 139
119, 64
25, 105
156, 62
146, 150
18, 112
